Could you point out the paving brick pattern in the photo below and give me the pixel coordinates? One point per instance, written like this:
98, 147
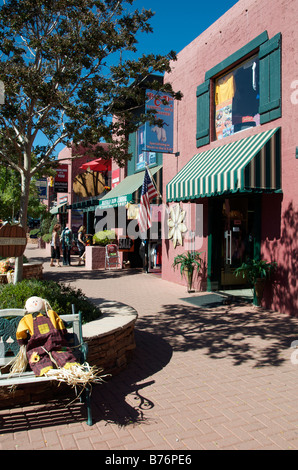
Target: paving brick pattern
201, 378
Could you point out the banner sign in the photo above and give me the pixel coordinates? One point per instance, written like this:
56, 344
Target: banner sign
126, 244
42, 188
160, 139
143, 157
115, 178
61, 179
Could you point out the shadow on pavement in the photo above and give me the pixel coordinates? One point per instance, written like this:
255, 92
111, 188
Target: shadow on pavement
237, 331
51, 414
123, 400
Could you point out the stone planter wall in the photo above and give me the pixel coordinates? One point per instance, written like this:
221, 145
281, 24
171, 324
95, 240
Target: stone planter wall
110, 339
95, 257
32, 270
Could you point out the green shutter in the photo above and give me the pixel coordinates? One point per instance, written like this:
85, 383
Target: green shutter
203, 114
270, 79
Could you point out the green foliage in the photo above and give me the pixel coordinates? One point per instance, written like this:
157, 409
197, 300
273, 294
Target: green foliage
255, 269
68, 67
59, 295
34, 233
47, 237
104, 237
188, 261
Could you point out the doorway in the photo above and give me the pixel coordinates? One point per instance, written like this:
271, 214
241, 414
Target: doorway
237, 239
234, 234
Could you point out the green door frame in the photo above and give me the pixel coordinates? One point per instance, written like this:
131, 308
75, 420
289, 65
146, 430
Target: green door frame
213, 267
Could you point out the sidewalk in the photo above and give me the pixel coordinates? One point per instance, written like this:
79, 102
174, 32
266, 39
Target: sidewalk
201, 378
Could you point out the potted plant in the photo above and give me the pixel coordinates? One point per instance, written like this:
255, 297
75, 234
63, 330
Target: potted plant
188, 262
256, 272
103, 238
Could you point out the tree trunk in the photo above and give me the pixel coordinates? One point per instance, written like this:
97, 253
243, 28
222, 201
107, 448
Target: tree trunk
25, 187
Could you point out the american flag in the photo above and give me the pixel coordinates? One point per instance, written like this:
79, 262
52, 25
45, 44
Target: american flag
148, 193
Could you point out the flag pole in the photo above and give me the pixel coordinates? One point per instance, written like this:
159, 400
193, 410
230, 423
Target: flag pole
153, 182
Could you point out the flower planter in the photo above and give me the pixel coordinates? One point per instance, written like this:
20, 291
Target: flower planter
95, 257
189, 278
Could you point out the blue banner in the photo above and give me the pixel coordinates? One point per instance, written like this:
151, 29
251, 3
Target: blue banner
160, 139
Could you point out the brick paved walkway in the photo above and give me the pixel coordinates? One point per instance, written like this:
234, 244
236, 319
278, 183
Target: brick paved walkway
201, 378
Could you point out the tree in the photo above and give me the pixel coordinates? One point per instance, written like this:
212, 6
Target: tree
68, 66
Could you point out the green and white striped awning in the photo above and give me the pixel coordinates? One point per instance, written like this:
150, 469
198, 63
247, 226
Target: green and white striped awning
123, 193
249, 164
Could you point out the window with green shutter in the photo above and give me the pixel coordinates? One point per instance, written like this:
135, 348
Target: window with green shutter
265, 66
203, 114
270, 79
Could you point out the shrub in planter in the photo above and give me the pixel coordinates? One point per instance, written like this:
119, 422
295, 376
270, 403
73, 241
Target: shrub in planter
256, 272
104, 237
47, 237
188, 263
59, 295
34, 233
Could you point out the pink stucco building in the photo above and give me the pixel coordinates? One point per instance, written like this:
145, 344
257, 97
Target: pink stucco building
236, 134
75, 209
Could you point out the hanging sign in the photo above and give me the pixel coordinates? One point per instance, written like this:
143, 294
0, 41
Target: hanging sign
61, 179
160, 139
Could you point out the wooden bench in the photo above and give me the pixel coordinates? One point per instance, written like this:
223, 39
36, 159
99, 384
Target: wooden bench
9, 320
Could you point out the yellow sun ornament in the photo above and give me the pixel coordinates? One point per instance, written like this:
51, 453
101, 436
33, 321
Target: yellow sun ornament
176, 224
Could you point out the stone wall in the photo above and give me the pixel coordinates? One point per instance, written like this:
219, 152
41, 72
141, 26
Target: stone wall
111, 339
32, 270
95, 257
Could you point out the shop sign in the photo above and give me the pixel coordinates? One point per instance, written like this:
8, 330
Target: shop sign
13, 240
61, 179
42, 188
126, 244
160, 139
115, 178
115, 201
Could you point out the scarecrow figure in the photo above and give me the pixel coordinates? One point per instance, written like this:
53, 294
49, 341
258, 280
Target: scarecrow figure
43, 334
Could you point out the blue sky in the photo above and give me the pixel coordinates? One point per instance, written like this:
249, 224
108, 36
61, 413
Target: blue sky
177, 23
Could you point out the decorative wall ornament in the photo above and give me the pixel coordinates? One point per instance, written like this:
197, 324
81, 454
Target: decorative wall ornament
176, 225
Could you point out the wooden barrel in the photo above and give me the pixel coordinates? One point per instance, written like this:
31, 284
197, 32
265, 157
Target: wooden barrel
13, 241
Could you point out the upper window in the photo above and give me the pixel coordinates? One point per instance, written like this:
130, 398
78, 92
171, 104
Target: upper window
247, 96
237, 99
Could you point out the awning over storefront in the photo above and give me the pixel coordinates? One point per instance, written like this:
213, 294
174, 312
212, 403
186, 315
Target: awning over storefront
249, 164
123, 193
85, 206
58, 209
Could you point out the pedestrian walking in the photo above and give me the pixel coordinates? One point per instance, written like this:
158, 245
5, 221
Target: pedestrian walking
66, 241
81, 243
55, 246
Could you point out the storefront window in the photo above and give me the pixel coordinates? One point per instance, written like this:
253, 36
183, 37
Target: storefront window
143, 157
237, 99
